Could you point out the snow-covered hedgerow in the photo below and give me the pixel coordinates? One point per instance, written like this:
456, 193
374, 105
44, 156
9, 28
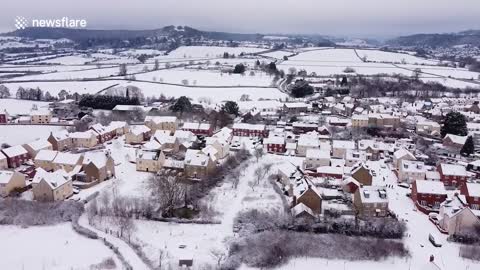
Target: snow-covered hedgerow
32, 213
273, 248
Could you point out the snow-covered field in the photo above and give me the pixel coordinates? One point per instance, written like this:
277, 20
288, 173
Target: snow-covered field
206, 52
19, 106
391, 57
20, 134
50, 247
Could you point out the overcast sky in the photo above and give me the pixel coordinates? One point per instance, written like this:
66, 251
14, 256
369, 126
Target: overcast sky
374, 18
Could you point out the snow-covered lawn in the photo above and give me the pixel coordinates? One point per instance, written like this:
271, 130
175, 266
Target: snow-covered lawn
207, 78
20, 134
19, 106
56, 247
392, 57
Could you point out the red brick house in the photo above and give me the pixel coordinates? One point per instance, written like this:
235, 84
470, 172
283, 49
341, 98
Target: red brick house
249, 130
204, 129
428, 195
104, 133
16, 156
3, 117
471, 191
452, 175
275, 144
328, 172
301, 128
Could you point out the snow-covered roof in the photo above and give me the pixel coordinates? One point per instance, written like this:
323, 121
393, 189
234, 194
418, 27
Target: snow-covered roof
138, 130
373, 194
456, 139
308, 140
161, 119
61, 135
196, 126
163, 138
148, 155
453, 169
5, 176
301, 208
413, 166
196, 158
98, 158
54, 179
343, 144
14, 151
403, 152
473, 189
248, 126
2, 156
330, 170
39, 144
67, 158
430, 187
317, 154
83, 135
274, 140
46, 155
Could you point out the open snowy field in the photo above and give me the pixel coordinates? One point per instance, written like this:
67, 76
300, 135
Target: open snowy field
327, 55
334, 68
391, 57
20, 134
277, 54
19, 106
68, 60
50, 247
46, 68
452, 82
207, 52
206, 77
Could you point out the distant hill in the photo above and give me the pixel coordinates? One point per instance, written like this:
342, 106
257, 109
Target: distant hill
168, 31
471, 37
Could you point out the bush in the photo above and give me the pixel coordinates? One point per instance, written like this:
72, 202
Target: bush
106, 102
301, 88
273, 248
32, 213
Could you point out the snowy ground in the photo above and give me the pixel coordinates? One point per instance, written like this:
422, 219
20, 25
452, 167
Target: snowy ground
20, 134
19, 106
51, 247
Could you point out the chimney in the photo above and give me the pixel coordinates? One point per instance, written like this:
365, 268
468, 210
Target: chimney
432, 258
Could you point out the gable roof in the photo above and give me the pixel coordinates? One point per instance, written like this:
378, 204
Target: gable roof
14, 151
46, 155
67, 158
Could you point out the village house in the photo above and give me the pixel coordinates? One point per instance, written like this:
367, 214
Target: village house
16, 155
97, 166
402, 154
329, 172
371, 201
67, 161
429, 128
295, 107
411, 171
60, 140
362, 174
222, 147
307, 141
3, 117
44, 159
339, 148
162, 123
121, 127
428, 195
275, 144
374, 149
104, 133
197, 164
383, 121
187, 138
454, 142
10, 181
301, 127
34, 147
304, 192
86, 139
138, 134
149, 161
51, 186
168, 144
471, 191
456, 218
316, 158
249, 130
452, 174
353, 157
204, 129
3, 161
41, 116
360, 121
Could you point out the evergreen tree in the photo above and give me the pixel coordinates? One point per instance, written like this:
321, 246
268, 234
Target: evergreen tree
454, 123
231, 107
239, 68
469, 147
182, 105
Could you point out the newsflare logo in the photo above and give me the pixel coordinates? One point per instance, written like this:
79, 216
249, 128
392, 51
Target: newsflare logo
21, 22
64, 22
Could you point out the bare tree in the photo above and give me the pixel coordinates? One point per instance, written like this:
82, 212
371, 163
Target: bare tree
258, 153
219, 255
169, 192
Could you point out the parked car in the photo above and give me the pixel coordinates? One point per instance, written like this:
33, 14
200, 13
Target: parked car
434, 240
